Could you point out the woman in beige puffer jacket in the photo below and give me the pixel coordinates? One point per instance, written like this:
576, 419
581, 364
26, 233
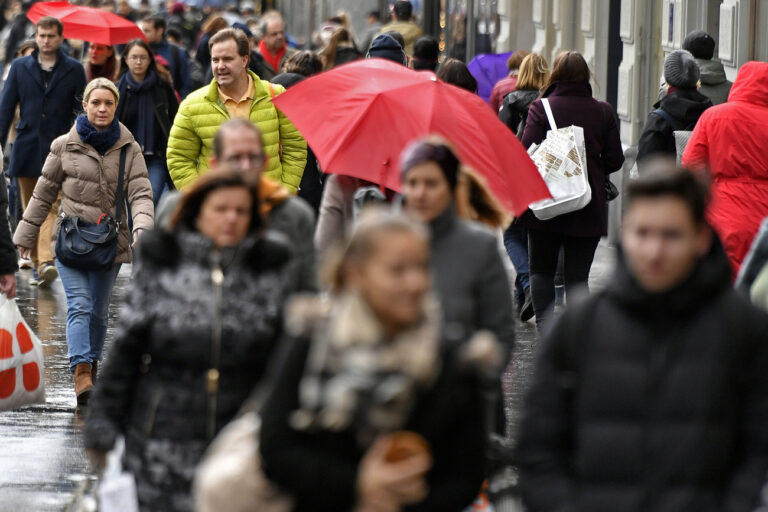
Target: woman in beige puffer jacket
83, 164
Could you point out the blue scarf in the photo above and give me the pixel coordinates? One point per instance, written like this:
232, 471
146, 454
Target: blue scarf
100, 140
141, 104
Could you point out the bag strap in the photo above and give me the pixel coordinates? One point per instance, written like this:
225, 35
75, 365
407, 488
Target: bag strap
550, 117
674, 123
120, 179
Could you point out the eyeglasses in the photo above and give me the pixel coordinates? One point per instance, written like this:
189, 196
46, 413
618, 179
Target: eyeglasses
138, 58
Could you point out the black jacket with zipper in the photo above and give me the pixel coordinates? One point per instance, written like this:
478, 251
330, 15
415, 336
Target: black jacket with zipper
152, 388
650, 401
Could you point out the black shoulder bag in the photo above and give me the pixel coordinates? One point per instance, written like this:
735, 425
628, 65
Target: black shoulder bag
92, 247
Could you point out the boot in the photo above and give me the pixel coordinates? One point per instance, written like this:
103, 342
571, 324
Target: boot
94, 370
83, 383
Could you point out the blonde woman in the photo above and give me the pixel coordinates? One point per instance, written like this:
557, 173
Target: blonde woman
83, 164
532, 76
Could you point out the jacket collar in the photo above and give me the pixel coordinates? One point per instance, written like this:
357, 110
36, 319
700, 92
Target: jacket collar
709, 278
443, 223
259, 90
60, 70
568, 89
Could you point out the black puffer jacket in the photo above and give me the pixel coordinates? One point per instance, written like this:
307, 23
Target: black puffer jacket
153, 387
685, 106
650, 402
514, 110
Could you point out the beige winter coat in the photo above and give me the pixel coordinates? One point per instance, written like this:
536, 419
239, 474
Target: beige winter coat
88, 185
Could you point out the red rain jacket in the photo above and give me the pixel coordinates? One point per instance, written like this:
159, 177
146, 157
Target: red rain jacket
732, 140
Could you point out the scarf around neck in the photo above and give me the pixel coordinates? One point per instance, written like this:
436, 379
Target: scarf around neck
144, 130
100, 140
272, 59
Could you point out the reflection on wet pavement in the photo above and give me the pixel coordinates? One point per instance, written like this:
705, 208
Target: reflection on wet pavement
42, 457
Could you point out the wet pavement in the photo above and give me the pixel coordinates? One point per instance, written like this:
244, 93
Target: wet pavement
42, 461
43, 466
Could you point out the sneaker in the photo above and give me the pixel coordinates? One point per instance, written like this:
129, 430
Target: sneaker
48, 274
25, 263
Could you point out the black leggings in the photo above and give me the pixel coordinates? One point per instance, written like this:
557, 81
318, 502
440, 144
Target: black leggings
543, 250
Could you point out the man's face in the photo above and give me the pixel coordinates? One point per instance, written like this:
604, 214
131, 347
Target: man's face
48, 39
274, 38
242, 149
228, 67
153, 35
661, 242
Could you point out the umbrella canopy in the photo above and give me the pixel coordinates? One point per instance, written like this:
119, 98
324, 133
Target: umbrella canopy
360, 116
87, 23
488, 68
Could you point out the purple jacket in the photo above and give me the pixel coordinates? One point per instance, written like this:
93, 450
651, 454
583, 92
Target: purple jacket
572, 104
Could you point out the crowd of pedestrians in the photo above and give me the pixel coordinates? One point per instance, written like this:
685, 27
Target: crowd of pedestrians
368, 327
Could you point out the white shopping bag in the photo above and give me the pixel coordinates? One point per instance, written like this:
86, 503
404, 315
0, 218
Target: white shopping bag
562, 162
21, 359
117, 490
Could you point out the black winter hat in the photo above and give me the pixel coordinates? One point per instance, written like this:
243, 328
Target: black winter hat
385, 46
700, 44
681, 70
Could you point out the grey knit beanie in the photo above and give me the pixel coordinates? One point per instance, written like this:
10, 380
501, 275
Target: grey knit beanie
681, 70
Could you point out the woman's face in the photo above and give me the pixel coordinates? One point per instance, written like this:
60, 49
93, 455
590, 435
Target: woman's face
427, 192
394, 278
225, 216
99, 53
138, 61
100, 108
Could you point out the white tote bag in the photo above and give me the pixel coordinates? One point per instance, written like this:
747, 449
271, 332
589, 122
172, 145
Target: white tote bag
117, 490
562, 162
21, 359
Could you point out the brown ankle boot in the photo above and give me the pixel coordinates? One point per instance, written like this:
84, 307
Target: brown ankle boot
83, 383
94, 370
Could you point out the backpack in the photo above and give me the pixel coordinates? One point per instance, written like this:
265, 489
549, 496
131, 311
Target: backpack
681, 133
196, 71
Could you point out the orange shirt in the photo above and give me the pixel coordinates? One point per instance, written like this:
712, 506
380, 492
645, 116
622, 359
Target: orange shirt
239, 108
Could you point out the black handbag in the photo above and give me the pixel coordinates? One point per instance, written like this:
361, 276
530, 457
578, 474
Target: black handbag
92, 247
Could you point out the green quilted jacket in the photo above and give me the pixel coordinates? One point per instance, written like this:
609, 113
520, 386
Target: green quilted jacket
199, 117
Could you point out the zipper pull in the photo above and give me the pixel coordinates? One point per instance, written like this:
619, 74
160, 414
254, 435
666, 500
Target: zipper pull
217, 276
212, 381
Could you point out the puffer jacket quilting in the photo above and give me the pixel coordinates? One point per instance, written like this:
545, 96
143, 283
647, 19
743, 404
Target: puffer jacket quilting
191, 141
88, 185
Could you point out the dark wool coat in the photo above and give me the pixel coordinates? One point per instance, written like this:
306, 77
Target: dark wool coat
650, 402
572, 104
44, 113
319, 468
152, 388
685, 106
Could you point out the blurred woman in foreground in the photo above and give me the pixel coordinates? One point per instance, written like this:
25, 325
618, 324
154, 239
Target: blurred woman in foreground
376, 407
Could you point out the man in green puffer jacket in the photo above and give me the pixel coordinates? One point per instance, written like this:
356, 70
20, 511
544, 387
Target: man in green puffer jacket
191, 140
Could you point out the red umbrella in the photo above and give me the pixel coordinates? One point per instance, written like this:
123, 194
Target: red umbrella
87, 23
360, 116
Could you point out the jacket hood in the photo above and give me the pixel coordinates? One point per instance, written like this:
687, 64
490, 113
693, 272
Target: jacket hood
710, 277
751, 84
685, 104
521, 100
712, 72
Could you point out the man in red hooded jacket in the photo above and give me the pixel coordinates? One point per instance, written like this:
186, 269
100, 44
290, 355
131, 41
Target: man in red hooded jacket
730, 139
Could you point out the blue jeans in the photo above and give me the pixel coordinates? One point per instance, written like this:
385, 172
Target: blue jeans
158, 176
87, 311
516, 243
